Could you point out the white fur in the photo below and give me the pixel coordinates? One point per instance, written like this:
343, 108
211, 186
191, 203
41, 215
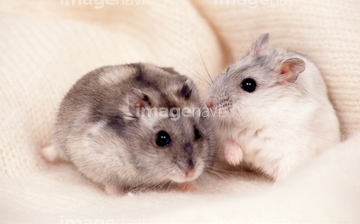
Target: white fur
283, 130
102, 156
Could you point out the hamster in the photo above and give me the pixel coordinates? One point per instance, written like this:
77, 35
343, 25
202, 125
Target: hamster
272, 111
119, 128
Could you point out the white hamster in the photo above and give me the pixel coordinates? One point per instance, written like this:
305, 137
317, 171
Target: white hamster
272, 111
103, 130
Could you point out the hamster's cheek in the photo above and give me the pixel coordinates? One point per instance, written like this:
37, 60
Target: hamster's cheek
163, 168
176, 176
200, 167
202, 156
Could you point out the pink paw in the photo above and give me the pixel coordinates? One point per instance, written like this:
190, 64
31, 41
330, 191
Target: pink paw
187, 186
114, 189
233, 152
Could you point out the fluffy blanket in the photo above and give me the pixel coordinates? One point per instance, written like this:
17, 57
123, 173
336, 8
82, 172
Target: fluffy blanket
46, 45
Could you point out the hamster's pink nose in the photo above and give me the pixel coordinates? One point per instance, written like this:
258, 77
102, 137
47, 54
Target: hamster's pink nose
189, 173
210, 104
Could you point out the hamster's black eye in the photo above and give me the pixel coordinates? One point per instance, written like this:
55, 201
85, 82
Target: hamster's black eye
162, 138
249, 85
197, 134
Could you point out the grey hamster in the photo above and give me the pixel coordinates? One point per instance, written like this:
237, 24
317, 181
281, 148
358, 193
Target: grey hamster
107, 126
272, 110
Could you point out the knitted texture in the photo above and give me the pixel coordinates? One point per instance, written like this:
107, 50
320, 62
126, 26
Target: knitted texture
46, 46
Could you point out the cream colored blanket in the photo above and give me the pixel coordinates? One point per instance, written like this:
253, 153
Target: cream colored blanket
46, 45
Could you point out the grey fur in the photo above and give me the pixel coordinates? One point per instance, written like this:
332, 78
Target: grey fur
97, 132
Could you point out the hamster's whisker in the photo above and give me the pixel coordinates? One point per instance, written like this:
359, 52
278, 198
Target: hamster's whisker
241, 50
223, 170
135, 189
170, 185
202, 80
202, 84
167, 186
205, 177
237, 111
202, 60
143, 188
222, 176
199, 76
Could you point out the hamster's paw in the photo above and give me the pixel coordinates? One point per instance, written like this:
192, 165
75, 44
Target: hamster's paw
285, 168
187, 186
233, 153
50, 154
112, 189
281, 175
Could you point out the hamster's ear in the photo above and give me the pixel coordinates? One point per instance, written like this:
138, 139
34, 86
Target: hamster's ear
187, 89
260, 44
137, 100
291, 69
